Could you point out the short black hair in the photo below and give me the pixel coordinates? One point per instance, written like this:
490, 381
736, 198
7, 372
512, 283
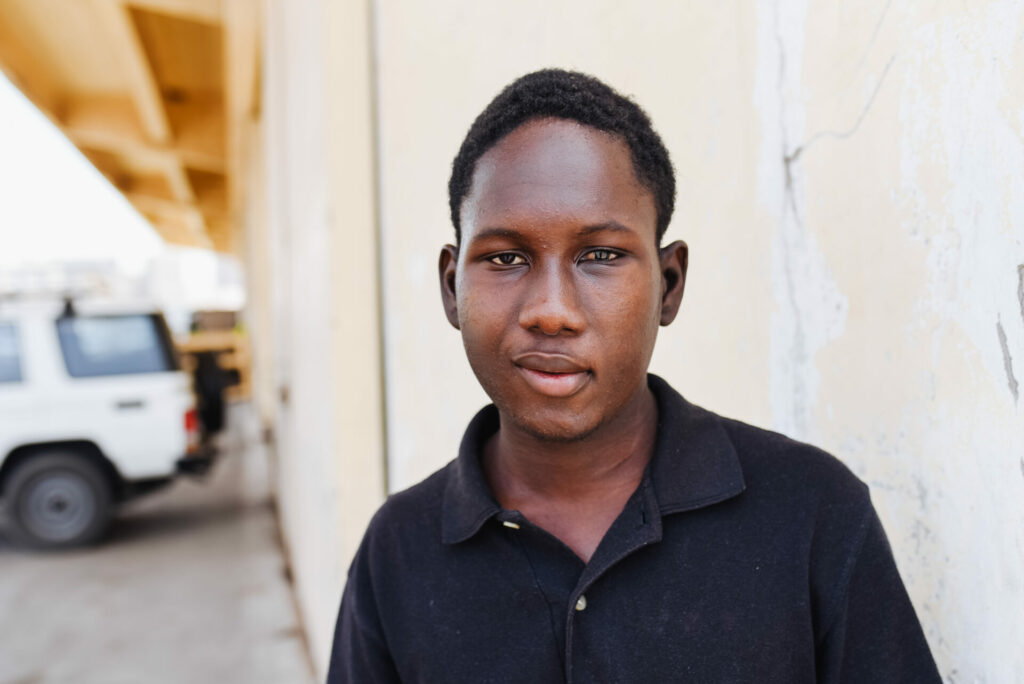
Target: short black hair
577, 97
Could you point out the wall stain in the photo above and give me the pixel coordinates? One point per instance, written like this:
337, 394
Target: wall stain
1007, 361
1020, 289
798, 346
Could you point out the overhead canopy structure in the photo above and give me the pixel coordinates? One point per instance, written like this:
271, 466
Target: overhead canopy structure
157, 94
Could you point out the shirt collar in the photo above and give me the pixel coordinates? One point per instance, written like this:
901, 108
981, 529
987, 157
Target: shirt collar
694, 464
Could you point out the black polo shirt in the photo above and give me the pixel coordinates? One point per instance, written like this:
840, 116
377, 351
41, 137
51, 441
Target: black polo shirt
743, 556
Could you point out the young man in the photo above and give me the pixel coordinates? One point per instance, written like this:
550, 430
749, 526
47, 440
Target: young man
595, 526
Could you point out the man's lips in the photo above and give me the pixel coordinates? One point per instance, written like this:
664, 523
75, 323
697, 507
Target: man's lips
555, 375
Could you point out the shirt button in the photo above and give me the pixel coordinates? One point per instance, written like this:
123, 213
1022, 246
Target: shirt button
581, 602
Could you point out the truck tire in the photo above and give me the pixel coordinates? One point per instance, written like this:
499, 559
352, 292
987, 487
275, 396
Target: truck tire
58, 500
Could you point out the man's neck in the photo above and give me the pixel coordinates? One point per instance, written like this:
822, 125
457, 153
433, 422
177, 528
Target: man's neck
575, 490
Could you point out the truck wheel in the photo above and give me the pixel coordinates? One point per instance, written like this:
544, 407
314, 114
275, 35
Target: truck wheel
58, 500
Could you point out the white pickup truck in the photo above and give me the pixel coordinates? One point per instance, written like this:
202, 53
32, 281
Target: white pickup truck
94, 410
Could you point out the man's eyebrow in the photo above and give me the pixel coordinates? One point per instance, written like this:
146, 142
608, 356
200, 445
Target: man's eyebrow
507, 233
511, 234
613, 226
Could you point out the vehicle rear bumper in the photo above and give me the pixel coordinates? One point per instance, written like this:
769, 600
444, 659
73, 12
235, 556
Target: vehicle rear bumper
197, 462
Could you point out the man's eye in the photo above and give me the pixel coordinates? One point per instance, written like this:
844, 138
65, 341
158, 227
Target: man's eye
600, 255
507, 259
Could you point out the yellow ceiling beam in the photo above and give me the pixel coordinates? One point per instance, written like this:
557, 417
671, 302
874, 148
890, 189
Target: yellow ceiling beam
241, 71
213, 212
27, 72
148, 99
145, 91
167, 133
111, 124
177, 222
206, 11
146, 156
177, 178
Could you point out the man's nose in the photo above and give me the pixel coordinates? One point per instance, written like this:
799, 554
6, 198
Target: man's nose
551, 305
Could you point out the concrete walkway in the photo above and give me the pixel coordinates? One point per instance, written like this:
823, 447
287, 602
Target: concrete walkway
191, 586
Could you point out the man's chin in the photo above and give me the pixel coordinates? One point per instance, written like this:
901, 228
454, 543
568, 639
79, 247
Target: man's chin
556, 430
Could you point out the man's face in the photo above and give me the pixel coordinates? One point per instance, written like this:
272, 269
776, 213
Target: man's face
558, 286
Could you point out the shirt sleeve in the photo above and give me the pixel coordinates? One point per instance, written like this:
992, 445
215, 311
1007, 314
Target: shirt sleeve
360, 653
873, 634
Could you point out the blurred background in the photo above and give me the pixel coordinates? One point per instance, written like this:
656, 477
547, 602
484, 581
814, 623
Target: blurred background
221, 343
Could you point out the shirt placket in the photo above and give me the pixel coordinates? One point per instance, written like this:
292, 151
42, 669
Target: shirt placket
554, 567
638, 526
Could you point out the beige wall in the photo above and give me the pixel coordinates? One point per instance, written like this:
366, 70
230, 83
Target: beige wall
315, 304
850, 184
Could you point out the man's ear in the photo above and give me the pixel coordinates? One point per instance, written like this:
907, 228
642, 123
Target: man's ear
674, 259
446, 271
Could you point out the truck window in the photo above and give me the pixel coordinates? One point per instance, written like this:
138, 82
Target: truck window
10, 354
115, 345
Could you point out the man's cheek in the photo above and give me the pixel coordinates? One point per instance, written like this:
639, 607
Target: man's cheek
627, 311
473, 314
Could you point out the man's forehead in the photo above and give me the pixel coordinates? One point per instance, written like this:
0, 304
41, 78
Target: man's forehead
549, 151
554, 167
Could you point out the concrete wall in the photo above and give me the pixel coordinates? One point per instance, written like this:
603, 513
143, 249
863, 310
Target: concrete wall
851, 189
850, 184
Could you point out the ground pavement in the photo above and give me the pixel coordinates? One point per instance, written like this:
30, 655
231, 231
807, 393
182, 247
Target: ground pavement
191, 586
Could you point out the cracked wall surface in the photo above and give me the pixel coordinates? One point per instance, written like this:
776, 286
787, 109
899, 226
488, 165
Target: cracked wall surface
851, 184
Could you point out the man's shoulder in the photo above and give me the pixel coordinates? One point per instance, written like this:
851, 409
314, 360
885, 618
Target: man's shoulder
771, 460
759, 446
413, 511
411, 503
796, 496
714, 453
